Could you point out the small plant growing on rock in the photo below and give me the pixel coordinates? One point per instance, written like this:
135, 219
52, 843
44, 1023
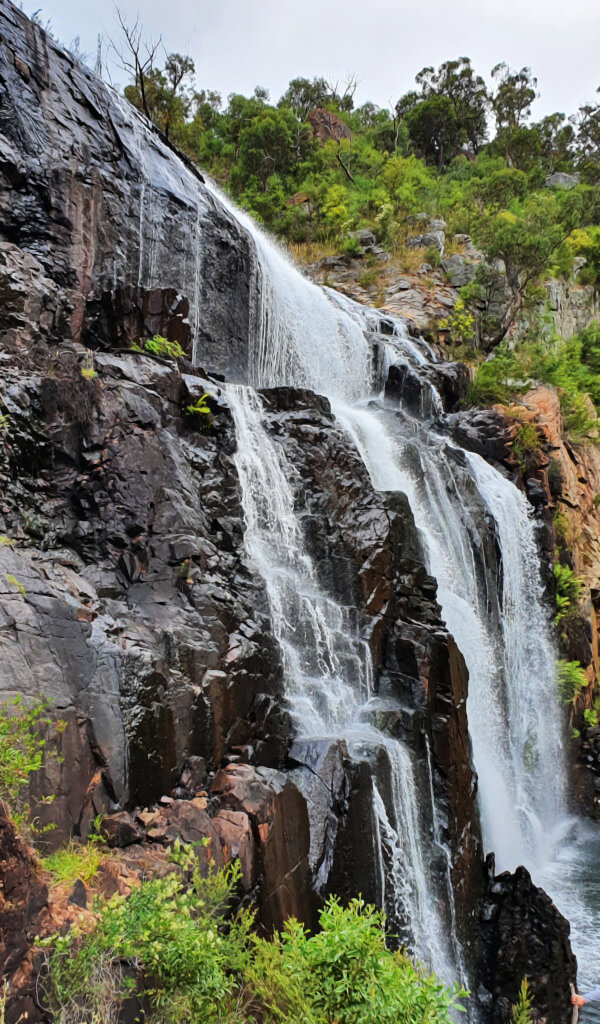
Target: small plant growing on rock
567, 591
159, 346
199, 407
570, 679
521, 1011
525, 442
74, 861
87, 370
14, 582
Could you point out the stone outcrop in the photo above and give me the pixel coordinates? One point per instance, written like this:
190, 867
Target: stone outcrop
524, 935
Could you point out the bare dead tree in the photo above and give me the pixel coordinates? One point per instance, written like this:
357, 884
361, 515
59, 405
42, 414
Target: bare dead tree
135, 54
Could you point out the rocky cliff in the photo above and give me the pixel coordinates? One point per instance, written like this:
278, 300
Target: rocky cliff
127, 597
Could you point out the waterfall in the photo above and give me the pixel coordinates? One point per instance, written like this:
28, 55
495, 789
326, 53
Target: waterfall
328, 674
479, 540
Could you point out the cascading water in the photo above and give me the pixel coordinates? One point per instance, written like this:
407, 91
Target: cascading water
328, 673
306, 336
479, 540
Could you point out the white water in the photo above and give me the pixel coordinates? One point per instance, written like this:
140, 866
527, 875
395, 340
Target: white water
308, 336
328, 671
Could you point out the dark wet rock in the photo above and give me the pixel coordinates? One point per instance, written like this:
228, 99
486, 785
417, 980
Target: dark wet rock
413, 390
524, 935
482, 431
139, 618
23, 908
278, 814
120, 829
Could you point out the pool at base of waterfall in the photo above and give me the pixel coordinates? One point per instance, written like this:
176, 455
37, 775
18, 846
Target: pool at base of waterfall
572, 880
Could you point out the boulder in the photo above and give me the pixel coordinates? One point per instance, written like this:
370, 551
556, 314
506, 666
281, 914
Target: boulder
278, 813
561, 180
524, 936
458, 271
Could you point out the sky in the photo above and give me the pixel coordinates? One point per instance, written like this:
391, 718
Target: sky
238, 44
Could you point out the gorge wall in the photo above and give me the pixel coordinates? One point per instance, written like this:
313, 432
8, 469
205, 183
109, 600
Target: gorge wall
127, 594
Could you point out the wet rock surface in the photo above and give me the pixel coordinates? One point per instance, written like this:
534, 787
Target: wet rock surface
524, 935
126, 595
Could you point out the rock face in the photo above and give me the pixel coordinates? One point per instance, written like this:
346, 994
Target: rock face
524, 935
126, 594
23, 908
93, 216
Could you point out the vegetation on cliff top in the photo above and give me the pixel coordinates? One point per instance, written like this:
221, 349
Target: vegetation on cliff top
313, 167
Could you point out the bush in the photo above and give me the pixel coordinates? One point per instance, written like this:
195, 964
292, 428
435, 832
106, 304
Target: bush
343, 973
173, 941
567, 591
525, 442
22, 744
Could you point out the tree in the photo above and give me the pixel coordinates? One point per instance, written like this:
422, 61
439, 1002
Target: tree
467, 92
270, 144
519, 243
587, 125
434, 129
302, 96
136, 55
515, 92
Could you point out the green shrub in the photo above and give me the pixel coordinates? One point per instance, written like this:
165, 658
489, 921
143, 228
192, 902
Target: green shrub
560, 524
172, 930
22, 746
526, 441
201, 965
460, 323
368, 278
570, 679
433, 256
343, 973
160, 346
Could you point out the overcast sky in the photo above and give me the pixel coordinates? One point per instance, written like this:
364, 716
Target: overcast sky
238, 44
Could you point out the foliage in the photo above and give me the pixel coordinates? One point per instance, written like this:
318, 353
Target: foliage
525, 441
22, 744
160, 346
429, 151
569, 366
567, 590
74, 861
199, 963
570, 679
199, 407
343, 973
521, 1012
460, 323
